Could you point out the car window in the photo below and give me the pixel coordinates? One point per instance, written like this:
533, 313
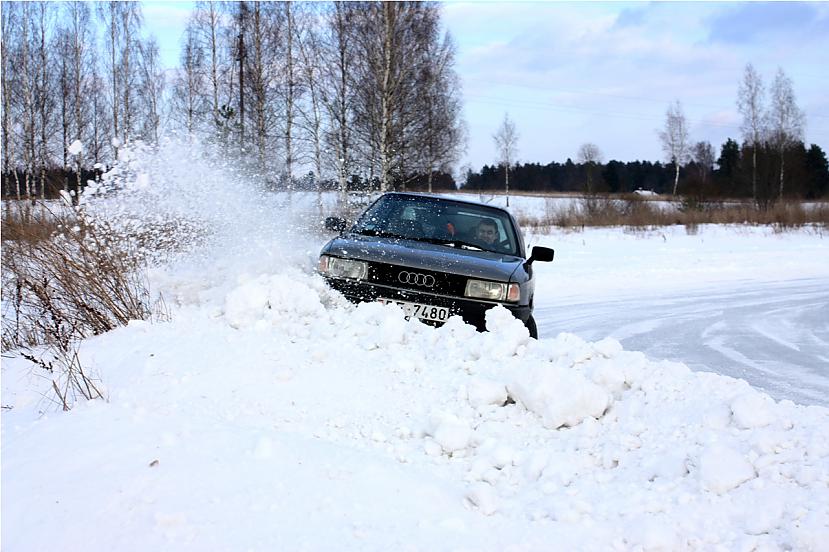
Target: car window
433, 219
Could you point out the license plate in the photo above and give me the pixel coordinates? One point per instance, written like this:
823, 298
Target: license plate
418, 310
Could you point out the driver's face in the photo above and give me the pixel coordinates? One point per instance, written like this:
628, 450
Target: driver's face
487, 233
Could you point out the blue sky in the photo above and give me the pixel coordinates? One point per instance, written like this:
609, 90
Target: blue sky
604, 72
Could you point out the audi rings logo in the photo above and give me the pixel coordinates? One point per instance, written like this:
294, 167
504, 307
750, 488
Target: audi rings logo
416, 279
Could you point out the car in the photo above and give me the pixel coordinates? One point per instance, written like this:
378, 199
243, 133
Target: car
435, 257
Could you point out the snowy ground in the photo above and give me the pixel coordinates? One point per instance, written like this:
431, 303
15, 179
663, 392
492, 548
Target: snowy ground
268, 414
745, 302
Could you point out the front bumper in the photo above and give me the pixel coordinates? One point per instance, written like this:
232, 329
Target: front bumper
471, 310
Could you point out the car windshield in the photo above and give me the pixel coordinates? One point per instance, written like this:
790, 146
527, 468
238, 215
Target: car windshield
445, 222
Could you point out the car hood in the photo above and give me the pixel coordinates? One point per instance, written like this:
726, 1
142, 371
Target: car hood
425, 256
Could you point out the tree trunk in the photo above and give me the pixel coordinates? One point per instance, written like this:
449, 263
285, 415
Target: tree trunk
782, 170
385, 114
506, 180
289, 103
676, 178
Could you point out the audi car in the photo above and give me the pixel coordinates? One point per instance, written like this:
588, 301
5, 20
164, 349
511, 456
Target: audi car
435, 257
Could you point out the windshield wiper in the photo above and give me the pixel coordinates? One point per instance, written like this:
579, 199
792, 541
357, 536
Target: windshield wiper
378, 233
452, 243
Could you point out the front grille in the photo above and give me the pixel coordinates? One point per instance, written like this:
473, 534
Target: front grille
426, 281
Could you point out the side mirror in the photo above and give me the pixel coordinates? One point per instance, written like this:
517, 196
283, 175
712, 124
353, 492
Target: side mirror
543, 254
335, 224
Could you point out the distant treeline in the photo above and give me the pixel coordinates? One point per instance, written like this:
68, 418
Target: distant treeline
48, 183
806, 175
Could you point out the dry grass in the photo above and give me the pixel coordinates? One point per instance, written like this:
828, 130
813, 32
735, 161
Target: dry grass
66, 277
633, 212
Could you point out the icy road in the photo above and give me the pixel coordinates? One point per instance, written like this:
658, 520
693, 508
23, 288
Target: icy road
748, 303
773, 335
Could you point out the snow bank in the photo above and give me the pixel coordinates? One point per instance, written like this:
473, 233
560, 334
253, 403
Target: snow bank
552, 439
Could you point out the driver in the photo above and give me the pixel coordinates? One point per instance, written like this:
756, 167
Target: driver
487, 231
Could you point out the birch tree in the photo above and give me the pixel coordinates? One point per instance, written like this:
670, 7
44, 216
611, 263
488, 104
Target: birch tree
590, 155
506, 145
261, 30
44, 89
151, 84
785, 120
337, 92
750, 99
189, 106
674, 139
441, 131
81, 42
387, 42
28, 79
704, 158
9, 15
311, 112
207, 37
291, 93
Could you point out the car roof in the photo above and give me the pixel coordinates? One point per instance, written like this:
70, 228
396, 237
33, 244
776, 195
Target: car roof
443, 198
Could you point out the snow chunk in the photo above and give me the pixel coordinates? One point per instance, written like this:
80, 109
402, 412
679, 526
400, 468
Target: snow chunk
608, 347
561, 396
723, 468
273, 299
483, 497
752, 410
451, 433
75, 147
511, 332
481, 392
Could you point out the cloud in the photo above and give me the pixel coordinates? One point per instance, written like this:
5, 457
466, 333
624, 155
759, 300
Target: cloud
755, 22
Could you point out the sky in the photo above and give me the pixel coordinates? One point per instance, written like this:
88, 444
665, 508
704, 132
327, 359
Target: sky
569, 73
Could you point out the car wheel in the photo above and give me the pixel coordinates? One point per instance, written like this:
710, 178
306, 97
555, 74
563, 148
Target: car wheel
530, 324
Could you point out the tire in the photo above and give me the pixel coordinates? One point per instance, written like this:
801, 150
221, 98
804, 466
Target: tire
530, 324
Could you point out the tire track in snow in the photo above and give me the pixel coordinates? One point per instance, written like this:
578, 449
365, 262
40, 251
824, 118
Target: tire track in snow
774, 335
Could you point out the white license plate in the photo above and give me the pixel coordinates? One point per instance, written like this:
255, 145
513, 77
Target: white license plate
418, 310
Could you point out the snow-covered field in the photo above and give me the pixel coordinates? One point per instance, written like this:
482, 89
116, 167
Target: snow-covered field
268, 414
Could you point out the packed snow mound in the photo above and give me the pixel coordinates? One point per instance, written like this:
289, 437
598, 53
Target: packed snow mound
584, 443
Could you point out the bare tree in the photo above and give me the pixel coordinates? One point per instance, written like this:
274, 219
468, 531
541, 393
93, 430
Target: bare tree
674, 139
100, 136
785, 119
8, 75
108, 14
338, 92
750, 96
44, 89
130, 24
28, 78
189, 107
506, 144
441, 130
151, 89
704, 157
80, 55
590, 155
206, 26
260, 49
389, 36
311, 112
291, 93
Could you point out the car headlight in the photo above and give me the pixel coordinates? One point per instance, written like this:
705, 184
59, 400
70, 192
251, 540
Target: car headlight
343, 268
494, 291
